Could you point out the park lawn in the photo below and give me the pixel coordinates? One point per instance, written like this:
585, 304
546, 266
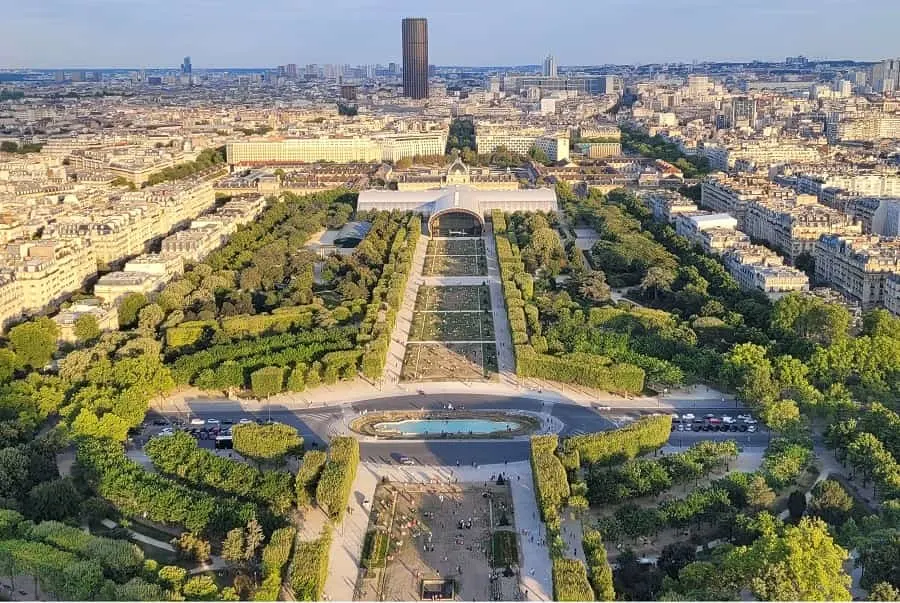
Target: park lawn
455, 265
452, 326
455, 247
453, 298
449, 361
505, 549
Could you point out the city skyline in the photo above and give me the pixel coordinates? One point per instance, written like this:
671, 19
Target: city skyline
464, 33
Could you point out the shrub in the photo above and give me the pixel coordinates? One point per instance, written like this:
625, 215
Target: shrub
336, 481
269, 442
570, 581
309, 570
308, 476
608, 447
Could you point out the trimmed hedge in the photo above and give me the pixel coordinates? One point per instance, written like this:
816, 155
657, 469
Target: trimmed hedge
570, 581
309, 570
580, 368
550, 482
648, 433
336, 481
600, 572
270, 442
274, 557
375, 548
308, 476
120, 559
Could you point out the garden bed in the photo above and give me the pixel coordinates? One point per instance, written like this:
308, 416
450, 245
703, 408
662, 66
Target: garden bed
452, 326
449, 362
453, 299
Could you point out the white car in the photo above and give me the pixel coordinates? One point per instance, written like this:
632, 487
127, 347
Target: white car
751, 421
168, 431
212, 421
688, 417
245, 421
744, 418
198, 422
727, 420
751, 428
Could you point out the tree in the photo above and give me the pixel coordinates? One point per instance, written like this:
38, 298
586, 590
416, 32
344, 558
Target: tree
86, 328
173, 576
200, 588
831, 502
810, 319
150, 317
657, 279
253, 539
267, 381
233, 546
13, 472
782, 415
748, 370
34, 342
270, 442
759, 495
593, 286
539, 155
884, 591
880, 560
793, 563
192, 546
675, 556
129, 307
56, 500
796, 505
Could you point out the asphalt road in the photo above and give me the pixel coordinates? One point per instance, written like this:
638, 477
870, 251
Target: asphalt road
316, 425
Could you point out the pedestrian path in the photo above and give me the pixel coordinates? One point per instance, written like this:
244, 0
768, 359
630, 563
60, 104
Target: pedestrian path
505, 359
400, 334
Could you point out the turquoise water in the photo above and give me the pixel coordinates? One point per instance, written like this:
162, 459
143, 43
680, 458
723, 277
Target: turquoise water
437, 426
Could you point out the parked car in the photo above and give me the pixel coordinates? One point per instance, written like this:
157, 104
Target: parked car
160, 422
688, 417
227, 422
405, 460
751, 428
196, 421
245, 421
167, 432
727, 419
212, 421
744, 417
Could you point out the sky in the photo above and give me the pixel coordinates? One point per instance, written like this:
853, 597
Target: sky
264, 33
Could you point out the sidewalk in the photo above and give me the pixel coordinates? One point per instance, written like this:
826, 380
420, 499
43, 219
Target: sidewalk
506, 362
348, 392
400, 334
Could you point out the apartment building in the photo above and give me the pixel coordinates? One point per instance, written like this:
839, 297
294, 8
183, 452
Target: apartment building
732, 194
876, 215
666, 205
892, 294
858, 266
48, 270
793, 225
400, 146
10, 300
113, 287
167, 266
749, 155
303, 150
755, 267
861, 184
489, 139
107, 317
691, 225
717, 240
599, 150
195, 244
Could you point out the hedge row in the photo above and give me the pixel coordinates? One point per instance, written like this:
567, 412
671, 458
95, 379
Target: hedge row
274, 557
309, 570
119, 559
375, 548
336, 481
580, 368
570, 581
308, 476
390, 290
598, 566
550, 482
180, 456
648, 433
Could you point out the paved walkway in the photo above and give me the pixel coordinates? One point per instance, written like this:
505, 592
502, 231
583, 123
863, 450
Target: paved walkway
400, 334
534, 555
348, 392
505, 359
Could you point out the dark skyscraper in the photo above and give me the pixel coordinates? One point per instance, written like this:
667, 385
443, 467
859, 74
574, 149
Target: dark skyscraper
415, 58
186, 66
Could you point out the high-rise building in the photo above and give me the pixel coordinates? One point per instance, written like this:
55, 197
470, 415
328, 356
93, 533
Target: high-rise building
186, 66
886, 76
743, 112
290, 70
550, 66
415, 57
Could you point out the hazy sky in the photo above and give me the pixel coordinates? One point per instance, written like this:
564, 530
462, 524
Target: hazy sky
239, 33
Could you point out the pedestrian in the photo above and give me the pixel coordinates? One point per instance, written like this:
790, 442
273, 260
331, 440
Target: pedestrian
532, 571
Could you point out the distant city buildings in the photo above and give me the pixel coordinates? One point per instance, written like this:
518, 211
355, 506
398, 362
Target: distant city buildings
549, 66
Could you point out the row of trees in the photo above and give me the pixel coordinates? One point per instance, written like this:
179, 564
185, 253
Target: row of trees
608, 447
599, 570
336, 480
570, 581
102, 464
307, 478
309, 568
651, 477
208, 158
657, 147
180, 456
274, 559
